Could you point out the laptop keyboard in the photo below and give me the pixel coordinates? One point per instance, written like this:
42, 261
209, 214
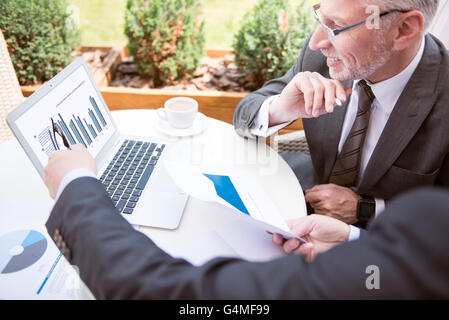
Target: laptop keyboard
129, 171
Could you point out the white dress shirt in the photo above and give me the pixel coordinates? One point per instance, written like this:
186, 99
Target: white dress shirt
387, 93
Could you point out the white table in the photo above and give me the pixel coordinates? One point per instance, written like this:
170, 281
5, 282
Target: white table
223, 148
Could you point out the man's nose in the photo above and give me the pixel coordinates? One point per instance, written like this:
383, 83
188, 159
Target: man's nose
320, 39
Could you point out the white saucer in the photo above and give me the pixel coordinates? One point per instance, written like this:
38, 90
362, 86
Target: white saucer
199, 125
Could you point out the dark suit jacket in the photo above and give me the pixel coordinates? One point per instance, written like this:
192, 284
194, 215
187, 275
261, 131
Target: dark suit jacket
118, 262
413, 149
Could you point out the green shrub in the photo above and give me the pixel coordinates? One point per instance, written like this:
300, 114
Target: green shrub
40, 35
271, 37
165, 38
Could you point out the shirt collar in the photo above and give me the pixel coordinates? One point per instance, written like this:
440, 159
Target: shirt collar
387, 92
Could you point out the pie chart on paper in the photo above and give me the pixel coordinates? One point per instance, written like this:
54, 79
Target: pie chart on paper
20, 249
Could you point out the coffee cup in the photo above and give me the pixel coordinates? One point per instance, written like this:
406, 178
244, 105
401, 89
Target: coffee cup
179, 112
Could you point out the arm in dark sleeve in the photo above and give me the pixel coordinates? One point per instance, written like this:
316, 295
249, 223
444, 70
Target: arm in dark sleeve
408, 245
118, 262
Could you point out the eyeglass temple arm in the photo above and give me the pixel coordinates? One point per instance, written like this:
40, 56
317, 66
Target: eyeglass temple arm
336, 32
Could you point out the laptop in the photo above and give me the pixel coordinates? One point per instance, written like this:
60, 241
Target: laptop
70, 109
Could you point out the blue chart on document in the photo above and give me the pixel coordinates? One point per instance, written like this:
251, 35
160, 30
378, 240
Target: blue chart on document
20, 249
31, 265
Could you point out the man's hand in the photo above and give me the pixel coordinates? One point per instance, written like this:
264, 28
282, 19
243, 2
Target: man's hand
320, 232
334, 201
306, 95
61, 162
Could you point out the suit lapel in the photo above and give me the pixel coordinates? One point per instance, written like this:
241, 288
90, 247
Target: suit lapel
412, 108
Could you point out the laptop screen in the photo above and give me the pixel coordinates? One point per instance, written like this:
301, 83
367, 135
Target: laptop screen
70, 113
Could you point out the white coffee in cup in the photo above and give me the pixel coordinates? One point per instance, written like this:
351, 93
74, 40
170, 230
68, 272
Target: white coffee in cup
179, 112
180, 106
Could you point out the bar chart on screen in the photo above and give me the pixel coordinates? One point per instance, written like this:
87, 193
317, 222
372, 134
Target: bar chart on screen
83, 131
83, 126
72, 113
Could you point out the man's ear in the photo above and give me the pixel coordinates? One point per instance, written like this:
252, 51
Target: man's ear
409, 28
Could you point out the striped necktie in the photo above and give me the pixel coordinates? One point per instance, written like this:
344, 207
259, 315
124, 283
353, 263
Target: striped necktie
347, 166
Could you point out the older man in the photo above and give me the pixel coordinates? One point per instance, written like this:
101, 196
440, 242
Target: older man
391, 132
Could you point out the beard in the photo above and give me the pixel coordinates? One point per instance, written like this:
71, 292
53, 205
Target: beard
378, 56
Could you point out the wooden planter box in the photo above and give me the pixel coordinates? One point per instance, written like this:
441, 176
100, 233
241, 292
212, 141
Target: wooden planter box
103, 75
215, 104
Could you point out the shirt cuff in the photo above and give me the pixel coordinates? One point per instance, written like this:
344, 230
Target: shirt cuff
261, 121
354, 233
380, 206
70, 176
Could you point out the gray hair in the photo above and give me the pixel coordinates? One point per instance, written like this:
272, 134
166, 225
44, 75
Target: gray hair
427, 7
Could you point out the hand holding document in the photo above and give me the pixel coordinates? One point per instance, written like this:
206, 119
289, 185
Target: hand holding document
237, 190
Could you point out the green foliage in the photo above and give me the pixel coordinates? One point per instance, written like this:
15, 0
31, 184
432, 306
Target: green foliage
271, 37
40, 35
165, 38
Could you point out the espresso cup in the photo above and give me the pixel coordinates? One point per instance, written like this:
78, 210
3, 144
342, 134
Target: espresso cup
179, 112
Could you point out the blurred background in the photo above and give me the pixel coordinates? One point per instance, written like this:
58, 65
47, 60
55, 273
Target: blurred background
102, 21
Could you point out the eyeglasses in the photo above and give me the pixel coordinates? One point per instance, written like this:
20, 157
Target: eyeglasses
332, 33
57, 136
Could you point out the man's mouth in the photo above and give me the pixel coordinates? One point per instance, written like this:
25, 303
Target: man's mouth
332, 61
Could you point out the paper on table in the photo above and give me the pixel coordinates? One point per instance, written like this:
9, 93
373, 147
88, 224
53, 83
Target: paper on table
51, 276
262, 212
